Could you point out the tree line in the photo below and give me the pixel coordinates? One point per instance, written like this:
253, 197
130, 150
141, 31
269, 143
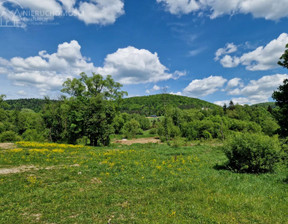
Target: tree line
90, 113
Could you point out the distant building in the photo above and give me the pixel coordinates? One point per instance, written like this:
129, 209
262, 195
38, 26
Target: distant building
154, 116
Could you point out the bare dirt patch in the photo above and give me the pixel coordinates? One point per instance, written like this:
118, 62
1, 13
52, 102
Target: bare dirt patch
7, 146
139, 140
19, 169
22, 169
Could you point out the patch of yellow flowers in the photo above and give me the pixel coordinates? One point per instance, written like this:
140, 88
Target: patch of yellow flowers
46, 145
16, 150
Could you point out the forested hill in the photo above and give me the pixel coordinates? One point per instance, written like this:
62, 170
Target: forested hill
145, 105
33, 104
265, 105
155, 104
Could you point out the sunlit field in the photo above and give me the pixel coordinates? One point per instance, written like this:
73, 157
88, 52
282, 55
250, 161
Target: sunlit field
149, 183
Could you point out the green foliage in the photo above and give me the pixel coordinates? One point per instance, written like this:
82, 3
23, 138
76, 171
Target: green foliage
9, 136
33, 104
284, 58
153, 131
55, 120
3, 104
91, 108
33, 135
167, 130
265, 105
281, 97
252, 153
150, 183
131, 128
143, 121
118, 123
155, 104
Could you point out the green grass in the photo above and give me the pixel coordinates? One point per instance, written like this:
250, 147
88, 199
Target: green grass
136, 184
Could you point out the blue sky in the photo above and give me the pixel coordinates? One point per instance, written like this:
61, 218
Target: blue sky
215, 50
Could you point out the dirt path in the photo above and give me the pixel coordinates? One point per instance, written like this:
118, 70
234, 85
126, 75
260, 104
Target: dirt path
22, 169
139, 140
7, 145
13, 170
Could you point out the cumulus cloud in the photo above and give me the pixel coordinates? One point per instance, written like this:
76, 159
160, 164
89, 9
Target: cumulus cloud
260, 59
256, 91
235, 83
47, 71
156, 88
177, 93
228, 49
204, 87
101, 12
133, 66
230, 62
178, 7
268, 9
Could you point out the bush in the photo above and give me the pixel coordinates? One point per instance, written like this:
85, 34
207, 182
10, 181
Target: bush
252, 153
9, 136
32, 135
153, 131
131, 128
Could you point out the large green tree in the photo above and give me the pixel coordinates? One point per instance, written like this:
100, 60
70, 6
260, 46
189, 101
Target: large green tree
93, 105
281, 97
284, 58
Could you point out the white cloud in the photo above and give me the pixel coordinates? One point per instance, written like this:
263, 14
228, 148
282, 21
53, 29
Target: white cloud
230, 62
196, 52
22, 93
48, 71
100, 12
263, 87
228, 49
239, 100
178, 7
204, 87
262, 58
133, 66
256, 91
268, 9
68, 5
177, 93
156, 88
235, 83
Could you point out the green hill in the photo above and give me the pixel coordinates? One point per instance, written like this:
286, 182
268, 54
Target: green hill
265, 105
154, 104
146, 105
19, 104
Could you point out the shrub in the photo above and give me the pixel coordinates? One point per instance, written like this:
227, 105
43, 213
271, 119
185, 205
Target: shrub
206, 134
9, 136
252, 153
131, 128
153, 131
32, 135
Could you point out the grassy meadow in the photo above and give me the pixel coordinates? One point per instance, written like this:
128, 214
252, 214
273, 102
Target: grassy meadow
149, 183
